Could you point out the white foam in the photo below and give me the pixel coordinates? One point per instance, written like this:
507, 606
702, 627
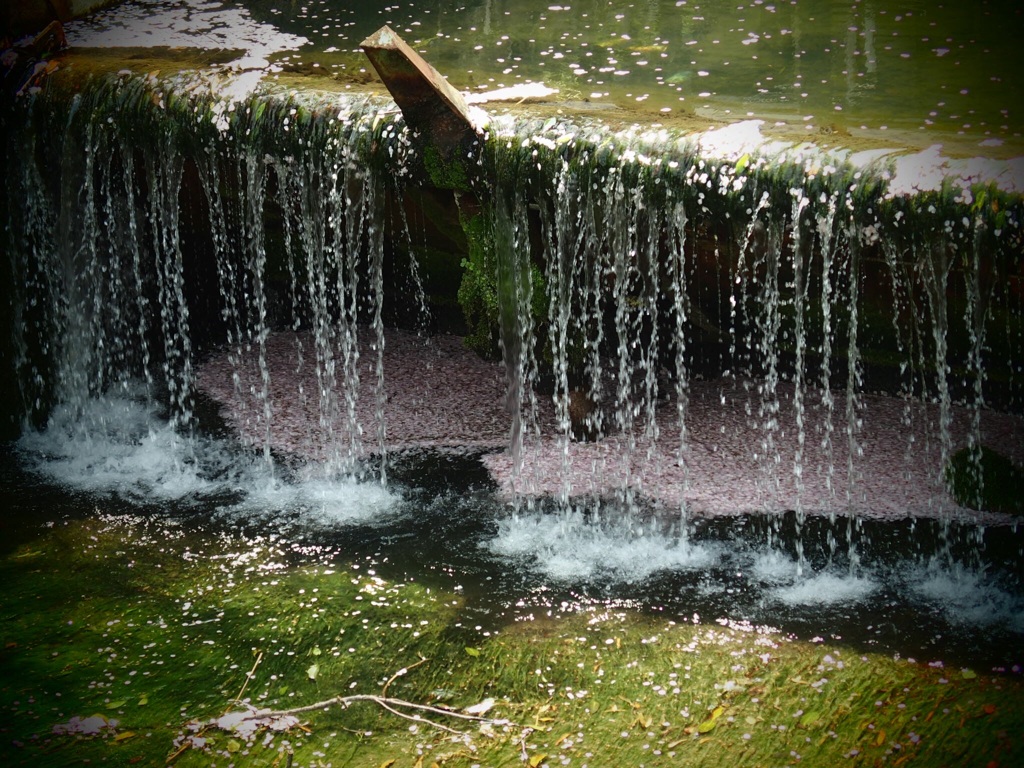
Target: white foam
787, 584
521, 92
193, 24
568, 546
929, 171
119, 446
186, 24
733, 140
773, 567
967, 596
825, 589
115, 445
325, 502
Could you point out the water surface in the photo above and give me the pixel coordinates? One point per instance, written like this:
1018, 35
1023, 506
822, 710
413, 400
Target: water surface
827, 66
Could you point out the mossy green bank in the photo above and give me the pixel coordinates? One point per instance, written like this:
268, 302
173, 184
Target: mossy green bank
146, 631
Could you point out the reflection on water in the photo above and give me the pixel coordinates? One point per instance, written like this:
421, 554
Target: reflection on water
831, 65
441, 524
838, 67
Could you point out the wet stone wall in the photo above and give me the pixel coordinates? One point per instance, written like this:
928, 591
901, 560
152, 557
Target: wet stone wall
146, 225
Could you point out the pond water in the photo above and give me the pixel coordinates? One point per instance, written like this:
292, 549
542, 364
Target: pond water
441, 522
829, 66
926, 586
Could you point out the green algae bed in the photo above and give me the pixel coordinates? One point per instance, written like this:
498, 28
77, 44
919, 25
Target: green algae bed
126, 641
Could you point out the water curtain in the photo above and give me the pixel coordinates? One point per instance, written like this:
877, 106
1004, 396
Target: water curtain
615, 269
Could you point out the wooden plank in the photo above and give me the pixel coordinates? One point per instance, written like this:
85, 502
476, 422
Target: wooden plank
429, 103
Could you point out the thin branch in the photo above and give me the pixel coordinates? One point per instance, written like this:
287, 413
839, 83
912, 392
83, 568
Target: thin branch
186, 745
263, 718
399, 673
248, 677
418, 719
383, 701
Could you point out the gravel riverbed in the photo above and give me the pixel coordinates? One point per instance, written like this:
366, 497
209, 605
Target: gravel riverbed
744, 451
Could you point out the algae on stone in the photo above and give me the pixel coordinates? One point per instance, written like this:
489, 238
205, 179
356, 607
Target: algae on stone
984, 479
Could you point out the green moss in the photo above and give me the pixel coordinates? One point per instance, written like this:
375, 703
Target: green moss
445, 172
156, 627
478, 291
985, 480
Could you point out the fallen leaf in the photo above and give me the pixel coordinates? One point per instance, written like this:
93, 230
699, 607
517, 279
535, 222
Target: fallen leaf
989, 709
481, 708
537, 760
880, 738
644, 721
124, 735
387, 763
706, 727
313, 671
809, 718
968, 674
472, 651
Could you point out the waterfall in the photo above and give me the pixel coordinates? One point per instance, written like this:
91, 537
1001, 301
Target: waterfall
673, 310
144, 237
809, 264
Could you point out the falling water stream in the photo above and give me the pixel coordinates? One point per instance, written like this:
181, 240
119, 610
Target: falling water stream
223, 310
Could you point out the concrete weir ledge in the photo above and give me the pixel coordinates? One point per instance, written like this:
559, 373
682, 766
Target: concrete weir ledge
432, 106
934, 196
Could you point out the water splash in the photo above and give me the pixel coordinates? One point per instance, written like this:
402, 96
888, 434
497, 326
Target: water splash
130, 452
676, 281
586, 546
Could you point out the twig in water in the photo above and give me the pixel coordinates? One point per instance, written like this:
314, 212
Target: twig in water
252, 719
522, 743
386, 702
399, 673
248, 677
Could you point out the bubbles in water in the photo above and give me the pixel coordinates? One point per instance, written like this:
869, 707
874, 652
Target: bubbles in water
825, 589
121, 447
967, 596
319, 502
572, 546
